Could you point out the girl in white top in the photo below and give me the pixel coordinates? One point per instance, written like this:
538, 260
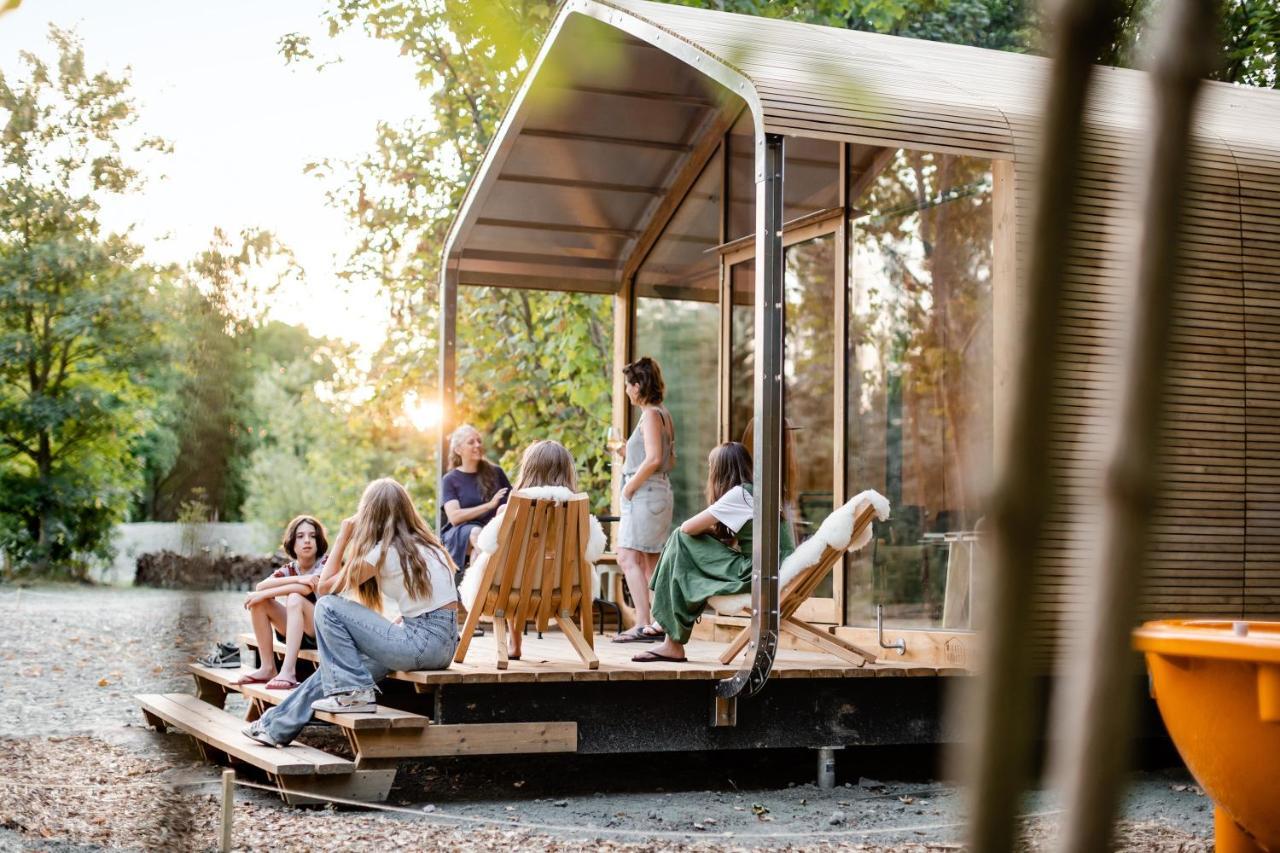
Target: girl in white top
547, 470
385, 552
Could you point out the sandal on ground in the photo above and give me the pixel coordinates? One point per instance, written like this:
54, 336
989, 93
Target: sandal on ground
654, 657
254, 679
653, 632
282, 684
634, 635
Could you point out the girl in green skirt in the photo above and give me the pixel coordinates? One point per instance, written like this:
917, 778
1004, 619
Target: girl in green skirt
710, 554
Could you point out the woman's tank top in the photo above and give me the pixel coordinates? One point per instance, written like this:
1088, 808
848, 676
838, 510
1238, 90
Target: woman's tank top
635, 444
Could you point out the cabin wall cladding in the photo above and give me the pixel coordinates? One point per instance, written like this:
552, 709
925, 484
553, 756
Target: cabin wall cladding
1258, 169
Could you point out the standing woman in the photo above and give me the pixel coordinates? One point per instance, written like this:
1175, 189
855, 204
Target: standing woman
471, 493
650, 453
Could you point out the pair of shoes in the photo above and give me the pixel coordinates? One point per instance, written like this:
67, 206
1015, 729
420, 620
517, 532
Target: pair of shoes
257, 731
224, 656
360, 701
653, 657
636, 635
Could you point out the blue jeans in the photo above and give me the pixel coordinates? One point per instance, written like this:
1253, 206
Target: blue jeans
358, 647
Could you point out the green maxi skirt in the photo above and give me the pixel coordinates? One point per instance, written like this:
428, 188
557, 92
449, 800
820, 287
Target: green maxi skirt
695, 568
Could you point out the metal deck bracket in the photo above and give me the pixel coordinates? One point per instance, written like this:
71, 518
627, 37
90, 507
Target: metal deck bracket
724, 711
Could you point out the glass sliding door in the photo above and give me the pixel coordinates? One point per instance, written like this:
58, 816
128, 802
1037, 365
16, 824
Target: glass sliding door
920, 375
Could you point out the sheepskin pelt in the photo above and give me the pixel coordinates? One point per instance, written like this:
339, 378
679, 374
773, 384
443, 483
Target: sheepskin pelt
836, 531
488, 542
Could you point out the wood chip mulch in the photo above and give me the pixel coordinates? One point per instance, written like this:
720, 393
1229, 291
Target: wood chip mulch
86, 791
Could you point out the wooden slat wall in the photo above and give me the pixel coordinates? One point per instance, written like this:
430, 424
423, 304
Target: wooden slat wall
1216, 546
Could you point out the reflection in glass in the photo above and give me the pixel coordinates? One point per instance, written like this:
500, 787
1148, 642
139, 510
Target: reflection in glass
920, 408
677, 322
812, 178
808, 285
742, 339
681, 264
684, 337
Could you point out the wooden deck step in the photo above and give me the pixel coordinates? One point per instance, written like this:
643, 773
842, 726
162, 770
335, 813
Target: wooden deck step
383, 718
221, 731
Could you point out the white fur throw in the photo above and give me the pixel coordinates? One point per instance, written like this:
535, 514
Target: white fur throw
488, 542
836, 531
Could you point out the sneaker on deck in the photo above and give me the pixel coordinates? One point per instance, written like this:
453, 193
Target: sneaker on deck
225, 656
257, 731
351, 702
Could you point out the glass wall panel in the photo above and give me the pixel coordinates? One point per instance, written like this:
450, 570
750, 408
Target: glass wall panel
678, 324
681, 260
808, 369
920, 378
811, 179
811, 176
742, 354
742, 177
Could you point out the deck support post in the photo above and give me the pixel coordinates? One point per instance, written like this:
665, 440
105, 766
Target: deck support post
827, 767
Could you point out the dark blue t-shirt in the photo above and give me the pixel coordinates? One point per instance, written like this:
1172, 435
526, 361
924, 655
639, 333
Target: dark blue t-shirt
464, 488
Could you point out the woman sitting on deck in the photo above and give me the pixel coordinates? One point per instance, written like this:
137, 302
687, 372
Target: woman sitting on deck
470, 493
709, 555
396, 556
547, 470
304, 541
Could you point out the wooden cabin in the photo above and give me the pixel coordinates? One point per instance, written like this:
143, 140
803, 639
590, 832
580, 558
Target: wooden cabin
820, 235
636, 161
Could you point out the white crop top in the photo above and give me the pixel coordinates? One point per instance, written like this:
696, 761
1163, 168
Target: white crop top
391, 581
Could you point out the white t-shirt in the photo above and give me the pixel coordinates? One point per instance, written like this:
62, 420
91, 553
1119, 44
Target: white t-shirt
735, 508
391, 581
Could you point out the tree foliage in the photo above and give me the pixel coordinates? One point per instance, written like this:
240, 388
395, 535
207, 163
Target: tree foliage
210, 425
78, 310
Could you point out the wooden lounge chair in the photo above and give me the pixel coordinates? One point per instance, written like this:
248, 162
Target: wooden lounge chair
801, 573
538, 572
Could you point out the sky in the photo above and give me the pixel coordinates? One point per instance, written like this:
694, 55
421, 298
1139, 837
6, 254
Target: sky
209, 78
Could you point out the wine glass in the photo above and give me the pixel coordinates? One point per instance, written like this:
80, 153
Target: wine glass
613, 440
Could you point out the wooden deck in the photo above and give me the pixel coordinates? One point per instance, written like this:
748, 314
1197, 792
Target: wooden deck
549, 701
553, 659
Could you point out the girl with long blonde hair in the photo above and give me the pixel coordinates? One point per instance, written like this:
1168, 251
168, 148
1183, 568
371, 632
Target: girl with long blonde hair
547, 470
384, 553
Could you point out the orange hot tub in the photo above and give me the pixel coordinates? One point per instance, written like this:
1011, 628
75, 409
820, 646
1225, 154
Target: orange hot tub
1217, 684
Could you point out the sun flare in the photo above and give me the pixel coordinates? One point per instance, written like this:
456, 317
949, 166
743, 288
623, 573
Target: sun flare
422, 413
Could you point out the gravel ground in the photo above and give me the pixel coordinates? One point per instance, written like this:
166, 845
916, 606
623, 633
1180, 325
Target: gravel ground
68, 718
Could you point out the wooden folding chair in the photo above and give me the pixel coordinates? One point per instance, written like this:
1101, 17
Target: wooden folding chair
539, 572
797, 590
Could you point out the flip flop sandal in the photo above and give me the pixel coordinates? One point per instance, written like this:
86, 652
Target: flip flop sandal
654, 657
254, 679
634, 635
281, 684
653, 634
